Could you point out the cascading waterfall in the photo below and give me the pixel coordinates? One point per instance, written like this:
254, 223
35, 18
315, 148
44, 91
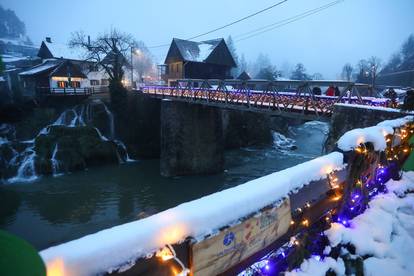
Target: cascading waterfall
111, 122
74, 117
55, 162
26, 171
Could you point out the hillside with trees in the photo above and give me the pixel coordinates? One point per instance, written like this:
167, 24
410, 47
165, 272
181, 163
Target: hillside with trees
399, 70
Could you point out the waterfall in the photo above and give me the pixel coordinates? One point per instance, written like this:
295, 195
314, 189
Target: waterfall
122, 145
26, 171
111, 121
78, 116
55, 162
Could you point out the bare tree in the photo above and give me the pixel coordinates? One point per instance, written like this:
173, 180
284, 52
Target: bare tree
347, 71
375, 64
109, 50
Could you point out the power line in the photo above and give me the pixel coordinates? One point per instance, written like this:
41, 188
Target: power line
229, 24
395, 73
284, 22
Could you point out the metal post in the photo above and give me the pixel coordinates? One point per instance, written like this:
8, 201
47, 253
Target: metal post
132, 68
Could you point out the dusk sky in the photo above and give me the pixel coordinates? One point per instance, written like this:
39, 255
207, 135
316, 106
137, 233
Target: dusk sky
346, 32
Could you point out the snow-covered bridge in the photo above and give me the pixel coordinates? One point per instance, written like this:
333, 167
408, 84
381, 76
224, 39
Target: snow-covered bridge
288, 98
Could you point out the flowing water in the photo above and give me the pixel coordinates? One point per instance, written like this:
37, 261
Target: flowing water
51, 210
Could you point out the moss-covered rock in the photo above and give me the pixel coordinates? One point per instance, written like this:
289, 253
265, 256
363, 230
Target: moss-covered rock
72, 149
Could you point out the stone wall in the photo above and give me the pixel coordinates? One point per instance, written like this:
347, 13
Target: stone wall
140, 128
191, 139
244, 128
348, 117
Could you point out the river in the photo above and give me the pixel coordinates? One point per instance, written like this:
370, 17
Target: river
56, 209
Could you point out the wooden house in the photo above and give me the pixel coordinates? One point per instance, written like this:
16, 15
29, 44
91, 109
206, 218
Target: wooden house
209, 59
54, 77
81, 76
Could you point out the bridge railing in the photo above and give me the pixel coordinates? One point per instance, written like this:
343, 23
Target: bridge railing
271, 95
224, 230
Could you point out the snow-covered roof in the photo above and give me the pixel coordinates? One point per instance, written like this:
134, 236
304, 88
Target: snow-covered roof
46, 65
64, 51
196, 51
11, 58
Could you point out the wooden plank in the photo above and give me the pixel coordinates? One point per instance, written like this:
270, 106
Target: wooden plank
216, 254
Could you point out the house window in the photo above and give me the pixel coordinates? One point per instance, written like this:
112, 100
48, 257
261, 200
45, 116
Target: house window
62, 84
104, 82
75, 84
94, 82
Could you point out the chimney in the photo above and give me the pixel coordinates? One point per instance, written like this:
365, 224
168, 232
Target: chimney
48, 39
89, 40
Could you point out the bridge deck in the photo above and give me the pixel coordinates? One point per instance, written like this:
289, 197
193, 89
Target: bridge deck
288, 104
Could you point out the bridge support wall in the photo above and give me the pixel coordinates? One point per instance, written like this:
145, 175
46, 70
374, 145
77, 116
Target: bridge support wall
244, 128
348, 117
191, 139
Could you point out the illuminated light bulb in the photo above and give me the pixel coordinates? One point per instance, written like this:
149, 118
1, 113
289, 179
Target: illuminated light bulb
336, 198
292, 222
296, 242
55, 268
359, 182
165, 254
307, 205
327, 219
405, 150
305, 222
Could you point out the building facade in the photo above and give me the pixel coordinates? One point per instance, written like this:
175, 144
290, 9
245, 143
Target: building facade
186, 59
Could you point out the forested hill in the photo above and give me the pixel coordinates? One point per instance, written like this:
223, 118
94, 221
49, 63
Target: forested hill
10, 25
13, 38
399, 70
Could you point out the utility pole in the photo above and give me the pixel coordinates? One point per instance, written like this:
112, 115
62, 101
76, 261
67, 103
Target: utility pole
132, 68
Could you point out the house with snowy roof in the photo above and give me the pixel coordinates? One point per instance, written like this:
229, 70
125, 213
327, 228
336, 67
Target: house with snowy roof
210, 59
63, 71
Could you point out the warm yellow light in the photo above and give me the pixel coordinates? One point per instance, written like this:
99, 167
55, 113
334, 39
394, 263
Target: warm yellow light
165, 254
56, 268
327, 169
292, 222
305, 222
336, 198
405, 150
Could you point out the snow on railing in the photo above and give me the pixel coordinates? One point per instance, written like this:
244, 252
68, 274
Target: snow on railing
375, 134
111, 248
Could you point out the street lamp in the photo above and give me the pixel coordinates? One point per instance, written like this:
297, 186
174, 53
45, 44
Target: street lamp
136, 52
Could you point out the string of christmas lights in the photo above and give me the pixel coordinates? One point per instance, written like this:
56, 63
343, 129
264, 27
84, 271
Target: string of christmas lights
311, 240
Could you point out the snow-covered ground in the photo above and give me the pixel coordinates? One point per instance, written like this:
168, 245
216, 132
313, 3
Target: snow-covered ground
383, 235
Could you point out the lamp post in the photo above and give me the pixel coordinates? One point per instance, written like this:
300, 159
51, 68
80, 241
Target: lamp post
136, 52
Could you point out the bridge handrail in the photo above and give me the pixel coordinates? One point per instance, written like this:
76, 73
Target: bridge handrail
341, 83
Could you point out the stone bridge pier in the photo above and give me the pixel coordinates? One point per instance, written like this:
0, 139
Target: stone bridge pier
191, 139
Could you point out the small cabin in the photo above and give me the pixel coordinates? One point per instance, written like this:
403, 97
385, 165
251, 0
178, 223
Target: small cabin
209, 59
54, 77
